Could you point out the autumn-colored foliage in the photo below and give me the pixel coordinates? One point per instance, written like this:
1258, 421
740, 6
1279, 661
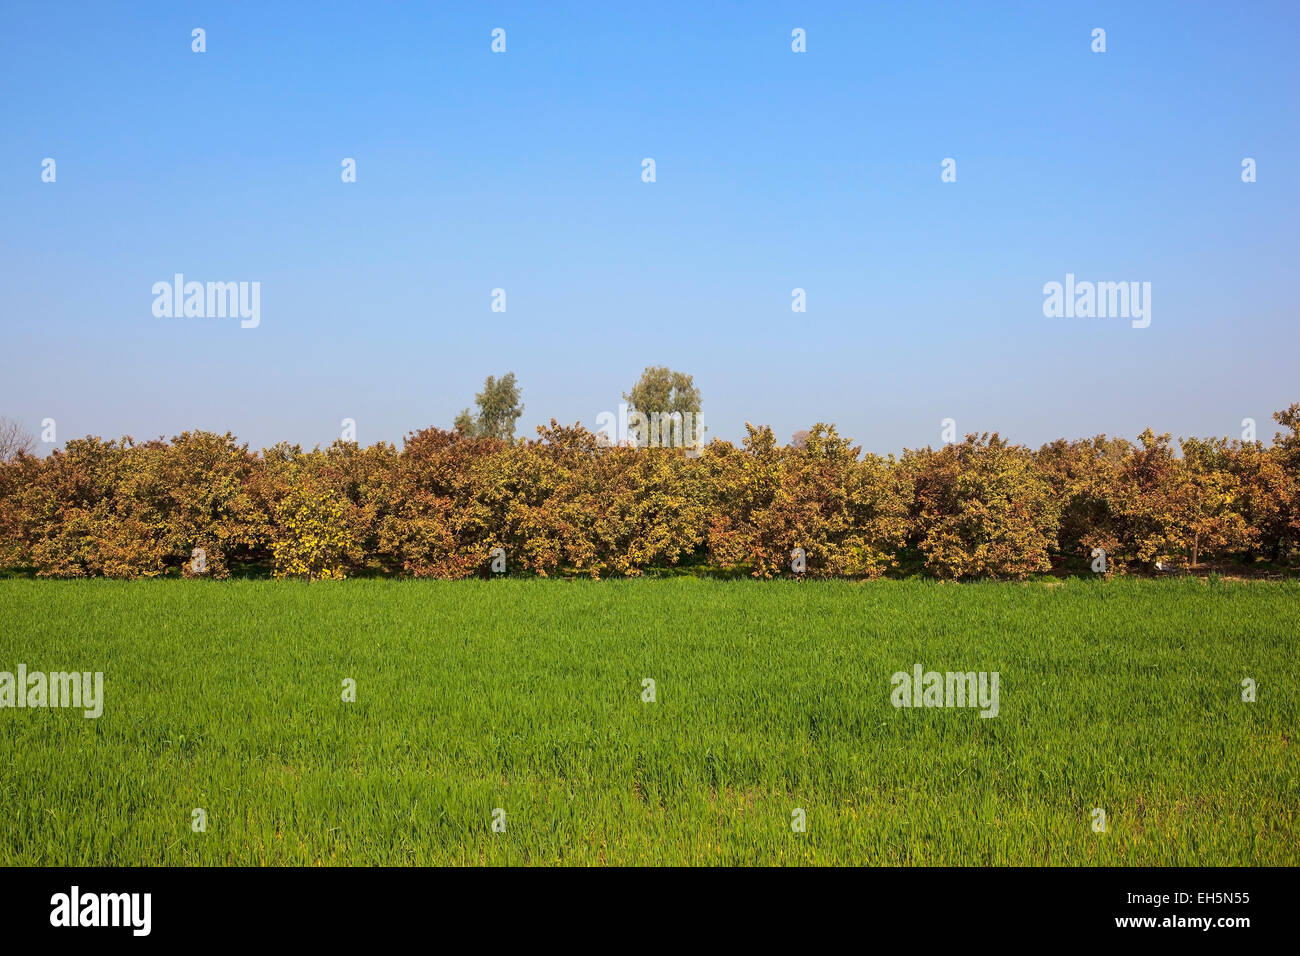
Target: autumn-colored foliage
846, 513
565, 504
981, 508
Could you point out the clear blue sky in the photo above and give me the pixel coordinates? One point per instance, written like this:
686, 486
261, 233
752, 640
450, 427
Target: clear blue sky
775, 170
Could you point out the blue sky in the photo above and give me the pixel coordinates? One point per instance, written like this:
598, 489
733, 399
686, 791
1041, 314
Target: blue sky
775, 170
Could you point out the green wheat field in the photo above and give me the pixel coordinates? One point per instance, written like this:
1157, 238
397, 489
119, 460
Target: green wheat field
526, 696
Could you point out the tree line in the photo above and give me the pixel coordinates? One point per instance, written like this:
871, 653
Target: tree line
565, 503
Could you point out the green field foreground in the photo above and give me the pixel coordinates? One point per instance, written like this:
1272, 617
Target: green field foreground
526, 695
